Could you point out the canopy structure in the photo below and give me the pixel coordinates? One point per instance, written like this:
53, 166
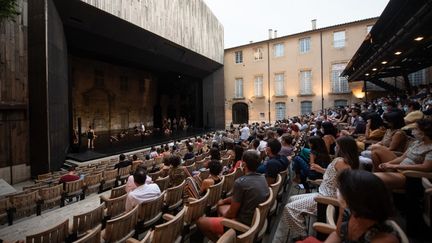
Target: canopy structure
398, 44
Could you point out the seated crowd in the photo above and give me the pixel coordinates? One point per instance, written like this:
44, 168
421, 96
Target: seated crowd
356, 155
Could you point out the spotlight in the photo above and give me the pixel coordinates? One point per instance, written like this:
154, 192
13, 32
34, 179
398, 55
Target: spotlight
374, 69
419, 38
384, 62
398, 53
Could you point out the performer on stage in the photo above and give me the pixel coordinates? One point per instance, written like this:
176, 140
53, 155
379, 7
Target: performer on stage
90, 138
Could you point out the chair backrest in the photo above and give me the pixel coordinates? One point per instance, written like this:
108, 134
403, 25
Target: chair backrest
4, 206
249, 236
94, 236
204, 174
149, 163
87, 221
174, 194
229, 182
125, 171
109, 175
51, 195
196, 209
35, 187
135, 164
226, 161
228, 237
264, 209
275, 187
44, 176
215, 193
121, 228
118, 191
190, 168
395, 226
25, 204
200, 164
163, 183
115, 206
239, 173
158, 160
284, 175
58, 233
170, 231
154, 175
93, 180
150, 212
189, 161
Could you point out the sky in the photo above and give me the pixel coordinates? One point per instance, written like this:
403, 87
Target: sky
249, 20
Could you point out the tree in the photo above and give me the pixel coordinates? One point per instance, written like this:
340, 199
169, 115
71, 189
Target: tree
8, 9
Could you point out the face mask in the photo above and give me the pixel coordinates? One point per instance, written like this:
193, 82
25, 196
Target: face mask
417, 134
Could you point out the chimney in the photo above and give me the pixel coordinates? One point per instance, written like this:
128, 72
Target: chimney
275, 34
270, 33
250, 42
314, 24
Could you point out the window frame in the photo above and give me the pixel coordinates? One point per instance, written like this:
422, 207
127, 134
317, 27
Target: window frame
238, 89
303, 86
339, 86
279, 106
238, 57
302, 111
337, 43
303, 40
278, 92
275, 48
259, 86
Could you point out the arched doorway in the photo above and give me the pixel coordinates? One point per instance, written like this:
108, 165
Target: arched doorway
240, 113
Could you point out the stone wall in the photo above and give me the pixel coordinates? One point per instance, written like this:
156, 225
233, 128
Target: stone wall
111, 97
188, 23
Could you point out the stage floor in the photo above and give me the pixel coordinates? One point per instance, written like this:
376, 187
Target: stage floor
104, 148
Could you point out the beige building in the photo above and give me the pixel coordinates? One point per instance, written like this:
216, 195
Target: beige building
289, 75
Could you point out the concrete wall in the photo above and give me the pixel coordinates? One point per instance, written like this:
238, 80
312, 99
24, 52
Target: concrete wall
291, 64
213, 100
188, 23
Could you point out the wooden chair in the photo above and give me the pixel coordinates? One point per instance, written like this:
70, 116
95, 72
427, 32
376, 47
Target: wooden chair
35, 187
58, 233
195, 208
24, 204
226, 161
427, 214
121, 228
135, 165
74, 189
4, 208
204, 174
169, 232
154, 175
273, 208
248, 233
200, 164
327, 210
174, 197
228, 237
149, 163
92, 236
45, 176
123, 174
87, 221
190, 168
189, 162
264, 208
118, 191
228, 185
93, 183
114, 207
150, 212
51, 196
109, 179
163, 183
214, 196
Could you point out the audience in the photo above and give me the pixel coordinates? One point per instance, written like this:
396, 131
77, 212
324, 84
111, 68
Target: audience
123, 162
275, 163
249, 191
70, 176
143, 191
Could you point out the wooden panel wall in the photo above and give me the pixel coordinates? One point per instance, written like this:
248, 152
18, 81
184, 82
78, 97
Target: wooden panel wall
13, 89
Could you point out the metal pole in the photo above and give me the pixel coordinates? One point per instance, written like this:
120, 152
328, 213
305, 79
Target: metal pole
365, 90
268, 79
322, 75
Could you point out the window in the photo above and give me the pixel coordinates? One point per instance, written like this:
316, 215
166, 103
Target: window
306, 107
305, 82
258, 53
124, 83
368, 28
259, 86
340, 103
417, 78
279, 50
338, 84
238, 56
280, 110
262, 115
238, 90
279, 84
339, 39
304, 44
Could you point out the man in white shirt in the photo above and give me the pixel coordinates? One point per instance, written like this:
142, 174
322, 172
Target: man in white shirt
144, 192
244, 132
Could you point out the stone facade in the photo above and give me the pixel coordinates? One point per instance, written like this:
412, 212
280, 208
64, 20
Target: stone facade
290, 64
187, 23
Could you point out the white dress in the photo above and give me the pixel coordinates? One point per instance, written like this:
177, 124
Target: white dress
292, 220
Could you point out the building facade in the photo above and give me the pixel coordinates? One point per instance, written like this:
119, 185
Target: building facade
292, 75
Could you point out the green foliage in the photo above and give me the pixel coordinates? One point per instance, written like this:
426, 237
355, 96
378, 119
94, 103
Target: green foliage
8, 9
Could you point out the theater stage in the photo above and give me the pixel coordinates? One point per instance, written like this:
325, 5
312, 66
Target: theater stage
129, 143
